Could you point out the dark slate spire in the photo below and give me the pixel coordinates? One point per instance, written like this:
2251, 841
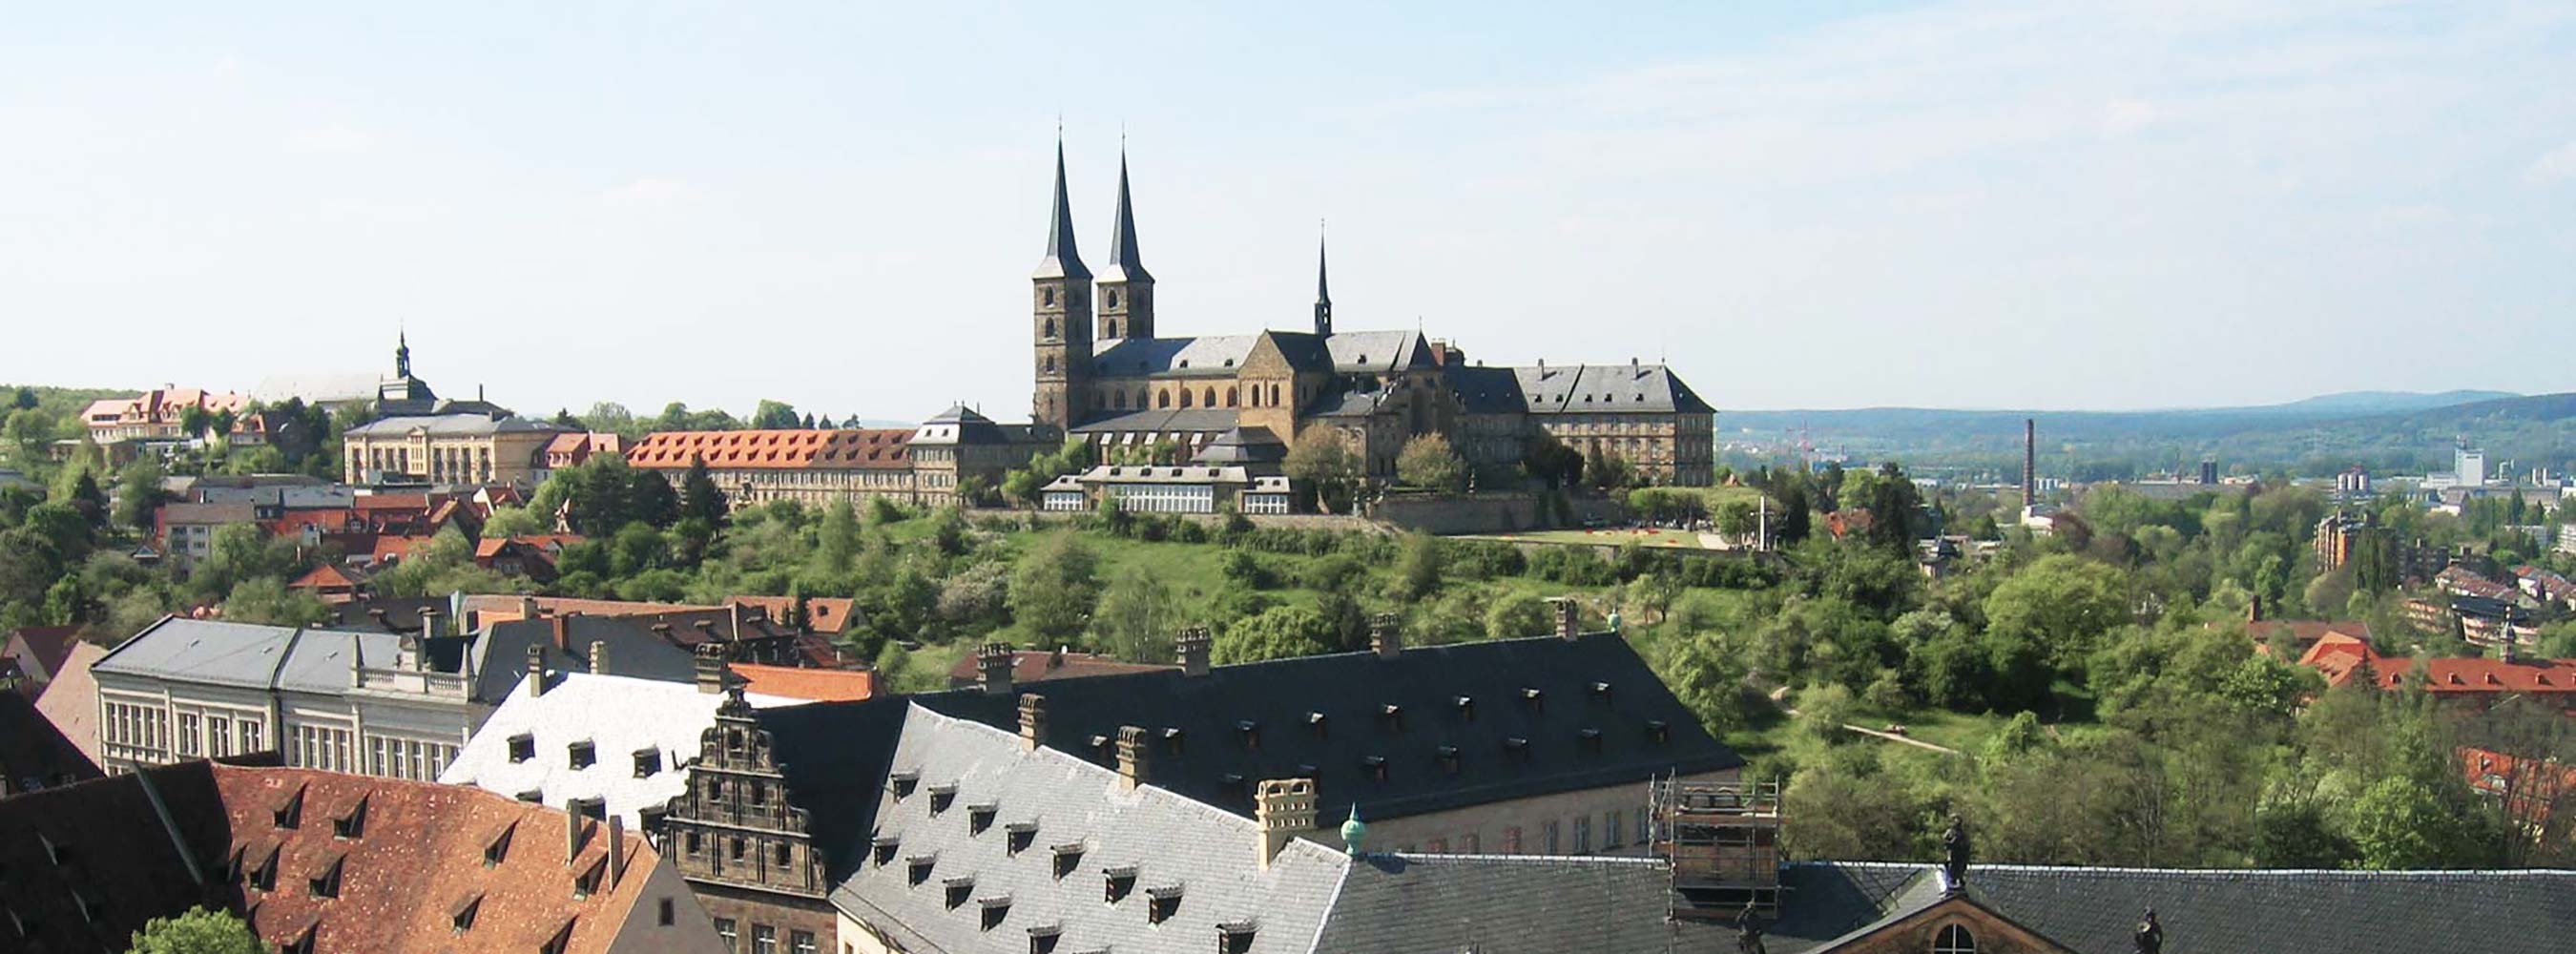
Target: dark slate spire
1323, 293
1125, 264
402, 354
1062, 260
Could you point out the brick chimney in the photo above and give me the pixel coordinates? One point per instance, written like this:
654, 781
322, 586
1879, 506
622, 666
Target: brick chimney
1385, 636
536, 669
710, 666
599, 657
616, 850
1193, 647
1282, 807
1033, 721
1132, 754
572, 835
993, 663
1569, 617
563, 632
527, 607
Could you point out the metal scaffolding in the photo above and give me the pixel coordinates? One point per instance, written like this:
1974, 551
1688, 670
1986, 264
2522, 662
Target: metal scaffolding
1723, 842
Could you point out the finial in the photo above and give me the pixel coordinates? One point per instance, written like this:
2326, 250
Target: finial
1354, 832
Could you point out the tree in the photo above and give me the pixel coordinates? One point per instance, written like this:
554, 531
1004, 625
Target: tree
1137, 617
775, 416
25, 400
88, 500
1054, 587
1323, 461
199, 931
265, 600
1824, 710
1893, 501
1428, 462
1417, 566
1709, 680
1280, 632
2063, 605
699, 498
1795, 521
1516, 615
1560, 466
139, 495
836, 541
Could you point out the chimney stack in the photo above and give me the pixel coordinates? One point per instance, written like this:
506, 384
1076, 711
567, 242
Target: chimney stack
572, 834
2029, 463
1281, 808
616, 850
562, 626
536, 669
710, 665
599, 657
1569, 617
527, 607
1132, 753
1033, 722
993, 662
1385, 636
1193, 646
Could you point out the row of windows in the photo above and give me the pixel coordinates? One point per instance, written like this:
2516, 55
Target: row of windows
143, 727
320, 747
1614, 835
764, 939
1164, 498
408, 758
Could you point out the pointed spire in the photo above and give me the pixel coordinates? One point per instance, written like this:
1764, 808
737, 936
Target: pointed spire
1125, 264
1323, 290
1062, 260
402, 353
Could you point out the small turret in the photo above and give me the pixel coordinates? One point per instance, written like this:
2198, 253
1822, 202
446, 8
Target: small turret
1354, 833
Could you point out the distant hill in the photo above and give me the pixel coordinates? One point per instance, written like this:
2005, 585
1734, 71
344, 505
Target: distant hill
2388, 432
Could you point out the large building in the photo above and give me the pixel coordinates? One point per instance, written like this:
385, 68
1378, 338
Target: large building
935, 464
419, 437
1104, 371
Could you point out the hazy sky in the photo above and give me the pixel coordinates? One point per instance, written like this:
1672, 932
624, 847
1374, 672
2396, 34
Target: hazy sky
1811, 204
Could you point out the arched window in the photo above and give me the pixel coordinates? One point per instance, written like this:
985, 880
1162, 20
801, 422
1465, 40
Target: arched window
1230, 395
1163, 399
1118, 400
1954, 939
1109, 328
1050, 364
1185, 397
1274, 395
1047, 295
1211, 397
1113, 298
1050, 329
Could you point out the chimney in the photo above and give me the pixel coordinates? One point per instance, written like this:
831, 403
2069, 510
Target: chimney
572, 834
616, 850
1193, 646
563, 633
527, 607
2029, 462
1569, 617
1132, 752
1281, 808
1385, 637
599, 657
429, 624
536, 669
1033, 722
993, 662
710, 665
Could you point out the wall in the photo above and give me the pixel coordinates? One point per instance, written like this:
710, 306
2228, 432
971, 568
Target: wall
1500, 512
1914, 935
690, 932
749, 909
1448, 832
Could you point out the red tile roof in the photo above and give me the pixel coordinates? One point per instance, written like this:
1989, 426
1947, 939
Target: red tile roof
327, 577
391, 548
852, 449
2307, 631
418, 502
828, 614
819, 685
1035, 665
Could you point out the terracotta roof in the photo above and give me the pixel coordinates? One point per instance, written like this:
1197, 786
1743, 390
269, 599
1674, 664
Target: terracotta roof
2306, 631
391, 548
819, 685
494, 608
70, 701
326, 576
2460, 676
850, 449
827, 614
1035, 665
422, 853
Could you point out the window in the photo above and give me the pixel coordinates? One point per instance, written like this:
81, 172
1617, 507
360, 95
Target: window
725, 931
1119, 883
1583, 834
499, 849
959, 889
648, 762
326, 884
664, 915
353, 824
1512, 840
1610, 831
464, 920
1067, 858
801, 942
522, 748
1234, 938
582, 754
1954, 939
1161, 904
764, 939
1548, 836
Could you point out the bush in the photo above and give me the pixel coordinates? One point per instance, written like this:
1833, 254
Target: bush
1516, 616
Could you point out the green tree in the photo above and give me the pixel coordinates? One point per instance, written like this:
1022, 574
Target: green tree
699, 498
1053, 588
1427, 461
1893, 503
1323, 461
2399, 822
2063, 605
836, 540
139, 495
199, 931
88, 500
1280, 632
1823, 711
1708, 679
1418, 566
267, 601
775, 416
1137, 617
1516, 615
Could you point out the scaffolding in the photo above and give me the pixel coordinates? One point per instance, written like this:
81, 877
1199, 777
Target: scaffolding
1723, 843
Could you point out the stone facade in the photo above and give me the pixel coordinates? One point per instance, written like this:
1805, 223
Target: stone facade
747, 853
1600, 821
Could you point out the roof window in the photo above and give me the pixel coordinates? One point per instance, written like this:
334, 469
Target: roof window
942, 796
903, 783
1068, 857
917, 868
1234, 938
1118, 883
326, 884
353, 824
1018, 836
980, 817
464, 917
881, 849
995, 909
499, 849
648, 762
1043, 937
523, 747
291, 814
582, 754
1162, 903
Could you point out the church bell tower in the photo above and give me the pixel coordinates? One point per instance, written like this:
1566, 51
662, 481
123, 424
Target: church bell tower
1061, 289
1126, 288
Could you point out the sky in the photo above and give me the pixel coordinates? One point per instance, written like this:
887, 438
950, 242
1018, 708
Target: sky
1823, 204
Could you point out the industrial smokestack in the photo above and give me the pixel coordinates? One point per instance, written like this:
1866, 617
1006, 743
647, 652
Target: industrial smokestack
2029, 463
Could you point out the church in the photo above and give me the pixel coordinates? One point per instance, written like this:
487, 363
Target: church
1105, 373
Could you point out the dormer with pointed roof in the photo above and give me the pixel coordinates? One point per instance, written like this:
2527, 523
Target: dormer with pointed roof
1126, 288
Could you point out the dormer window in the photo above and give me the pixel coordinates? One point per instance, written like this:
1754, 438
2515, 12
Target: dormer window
1601, 691
265, 876
290, 814
1516, 745
995, 909
1449, 760
882, 848
588, 883
1043, 937
1118, 883
582, 754
1250, 732
959, 889
1316, 720
353, 824
917, 868
942, 796
523, 747
326, 884
1018, 836
499, 849
1591, 739
1172, 741
648, 763
1376, 766
1658, 731
1466, 707
1534, 699
1068, 859
1234, 938
980, 817
1162, 903
464, 917
903, 783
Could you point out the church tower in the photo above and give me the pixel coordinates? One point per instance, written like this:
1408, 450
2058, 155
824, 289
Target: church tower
1126, 288
1323, 294
1062, 288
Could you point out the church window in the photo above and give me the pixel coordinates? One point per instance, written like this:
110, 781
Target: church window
1185, 397
1050, 329
1047, 295
1230, 394
1113, 298
1954, 939
1050, 364
1274, 395
1163, 399
1211, 397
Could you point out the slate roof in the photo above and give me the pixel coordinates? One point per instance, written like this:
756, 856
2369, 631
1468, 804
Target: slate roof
1253, 446
1604, 388
1484, 390
1508, 744
1208, 355
88, 864
1377, 352
619, 716
1169, 841
959, 424
1038, 665
2093, 910
1442, 904
34, 754
453, 425
833, 758
1195, 420
500, 652
244, 655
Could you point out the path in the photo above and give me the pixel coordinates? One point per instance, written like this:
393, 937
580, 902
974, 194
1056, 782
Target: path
1780, 698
